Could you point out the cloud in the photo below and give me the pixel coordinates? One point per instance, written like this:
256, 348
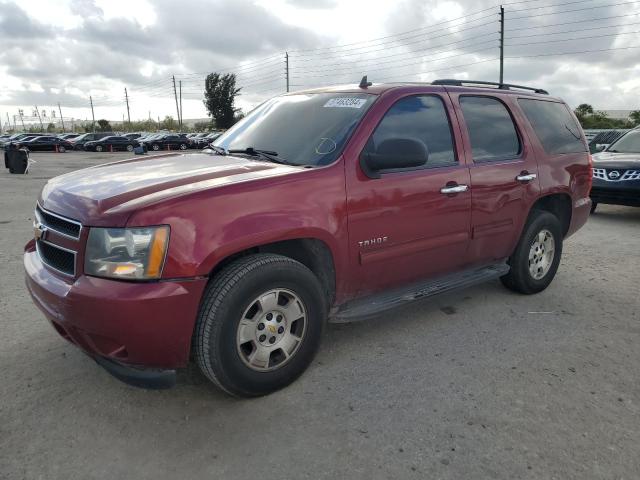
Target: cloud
313, 4
16, 24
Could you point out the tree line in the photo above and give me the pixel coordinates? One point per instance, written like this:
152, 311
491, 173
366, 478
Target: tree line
590, 118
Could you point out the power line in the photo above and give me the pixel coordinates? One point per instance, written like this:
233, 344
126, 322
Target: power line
574, 10
376, 61
572, 39
396, 40
574, 53
572, 31
422, 60
396, 45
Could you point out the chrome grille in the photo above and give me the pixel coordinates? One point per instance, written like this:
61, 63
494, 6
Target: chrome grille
60, 259
57, 223
623, 175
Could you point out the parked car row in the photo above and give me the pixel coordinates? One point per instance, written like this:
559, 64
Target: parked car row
109, 141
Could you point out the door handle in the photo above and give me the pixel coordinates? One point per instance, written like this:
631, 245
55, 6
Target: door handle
452, 189
526, 177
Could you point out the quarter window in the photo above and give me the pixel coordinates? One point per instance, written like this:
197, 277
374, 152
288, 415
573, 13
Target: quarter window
491, 130
421, 118
554, 126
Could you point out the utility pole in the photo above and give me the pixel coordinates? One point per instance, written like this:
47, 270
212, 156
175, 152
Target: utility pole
20, 114
61, 118
175, 95
40, 118
14, 124
73, 124
1, 130
93, 124
126, 97
180, 84
286, 67
501, 44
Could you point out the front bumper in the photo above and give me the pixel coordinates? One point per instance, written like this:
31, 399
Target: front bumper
126, 325
616, 193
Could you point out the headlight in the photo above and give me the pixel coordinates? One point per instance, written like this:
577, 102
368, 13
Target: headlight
127, 253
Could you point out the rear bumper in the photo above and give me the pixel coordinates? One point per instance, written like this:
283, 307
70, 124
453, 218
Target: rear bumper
133, 325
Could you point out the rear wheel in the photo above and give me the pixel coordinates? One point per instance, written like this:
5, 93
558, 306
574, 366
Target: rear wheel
183, 146
155, 147
61, 149
98, 148
535, 261
129, 148
259, 325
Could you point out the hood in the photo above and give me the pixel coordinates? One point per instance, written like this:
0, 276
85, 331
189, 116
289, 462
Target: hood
616, 160
106, 195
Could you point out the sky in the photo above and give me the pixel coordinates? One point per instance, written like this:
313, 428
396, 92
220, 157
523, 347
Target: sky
65, 51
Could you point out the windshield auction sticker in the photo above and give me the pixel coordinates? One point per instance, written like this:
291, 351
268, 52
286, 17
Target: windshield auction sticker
346, 102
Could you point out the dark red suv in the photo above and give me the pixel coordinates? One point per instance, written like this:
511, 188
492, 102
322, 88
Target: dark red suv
330, 204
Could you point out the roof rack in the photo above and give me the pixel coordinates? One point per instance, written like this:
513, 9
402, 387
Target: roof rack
501, 86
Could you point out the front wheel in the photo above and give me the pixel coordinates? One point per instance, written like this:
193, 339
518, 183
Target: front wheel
183, 146
129, 148
61, 149
259, 325
535, 261
98, 148
155, 147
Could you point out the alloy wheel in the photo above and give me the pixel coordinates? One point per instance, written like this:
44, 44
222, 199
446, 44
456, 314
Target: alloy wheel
541, 254
271, 330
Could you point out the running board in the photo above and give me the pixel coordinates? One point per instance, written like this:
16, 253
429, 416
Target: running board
369, 306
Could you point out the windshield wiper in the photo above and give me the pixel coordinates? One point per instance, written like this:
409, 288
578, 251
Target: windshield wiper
217, 149
269, 155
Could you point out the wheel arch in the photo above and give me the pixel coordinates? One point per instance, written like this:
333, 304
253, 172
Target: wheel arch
313, 253
559, 204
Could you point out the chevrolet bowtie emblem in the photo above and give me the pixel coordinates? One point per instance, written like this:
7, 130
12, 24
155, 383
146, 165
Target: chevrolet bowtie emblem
40, 231
272, 328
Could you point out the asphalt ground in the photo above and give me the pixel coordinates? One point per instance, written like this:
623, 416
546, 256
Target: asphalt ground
478, 384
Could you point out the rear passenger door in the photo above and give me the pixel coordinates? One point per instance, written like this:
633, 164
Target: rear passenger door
504, 173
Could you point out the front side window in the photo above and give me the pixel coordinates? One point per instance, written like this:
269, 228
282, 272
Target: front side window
420, 118
304, 129
628, 143
491, 130
554, 126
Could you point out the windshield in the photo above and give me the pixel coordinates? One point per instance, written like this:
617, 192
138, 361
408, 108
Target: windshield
304, 129
629, 143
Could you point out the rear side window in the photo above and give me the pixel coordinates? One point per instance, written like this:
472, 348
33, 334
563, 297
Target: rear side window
491, 130
421, 118
555, 127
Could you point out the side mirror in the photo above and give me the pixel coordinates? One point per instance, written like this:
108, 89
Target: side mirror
600, 148
394, 153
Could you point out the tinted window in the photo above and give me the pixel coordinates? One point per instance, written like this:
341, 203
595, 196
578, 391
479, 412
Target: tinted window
491, 129
555, 127
422, 118
629, 143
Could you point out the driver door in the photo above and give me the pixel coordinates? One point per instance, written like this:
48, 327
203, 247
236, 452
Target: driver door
405, 225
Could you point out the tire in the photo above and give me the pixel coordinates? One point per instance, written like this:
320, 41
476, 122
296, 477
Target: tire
527, 257
155, 147
220, 349
61, 149
129, 148
98, 148
183, 146
594, 205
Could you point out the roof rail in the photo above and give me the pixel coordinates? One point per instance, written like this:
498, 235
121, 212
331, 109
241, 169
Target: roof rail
502, 86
